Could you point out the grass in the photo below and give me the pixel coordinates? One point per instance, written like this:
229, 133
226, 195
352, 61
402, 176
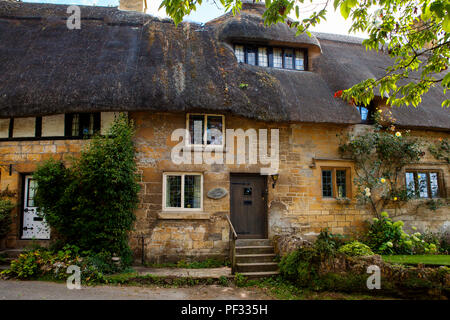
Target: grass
436, 260
208, 263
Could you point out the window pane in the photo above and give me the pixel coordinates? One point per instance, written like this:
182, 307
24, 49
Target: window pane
31, 192
423, 186
277, 58
364, 112
340, 182
239, 52
251, 56
410, 184
192, 191
299, 60
196, 128
214, 130
327, 189
434, 185
288, 59
173, 191
262, 57
75, 124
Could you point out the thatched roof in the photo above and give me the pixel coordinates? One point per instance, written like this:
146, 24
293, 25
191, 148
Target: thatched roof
127, 61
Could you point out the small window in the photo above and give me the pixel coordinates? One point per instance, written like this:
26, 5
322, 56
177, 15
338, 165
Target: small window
239, 52
299, 60
288, 59
277, 58
82, 124
366, 113
263, 61
423, 184
251, 56
206, 129
336, 182
182, 191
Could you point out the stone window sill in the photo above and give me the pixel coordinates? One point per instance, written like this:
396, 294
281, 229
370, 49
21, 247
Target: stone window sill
184, 215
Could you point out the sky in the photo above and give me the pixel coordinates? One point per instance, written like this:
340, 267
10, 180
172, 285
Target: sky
208, 10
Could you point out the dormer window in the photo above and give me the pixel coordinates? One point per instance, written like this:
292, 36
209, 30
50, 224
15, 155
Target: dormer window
366, 113
276, 57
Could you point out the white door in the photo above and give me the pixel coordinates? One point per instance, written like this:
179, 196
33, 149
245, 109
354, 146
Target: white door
34, 226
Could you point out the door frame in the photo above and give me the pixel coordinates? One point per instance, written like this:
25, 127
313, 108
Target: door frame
265, 203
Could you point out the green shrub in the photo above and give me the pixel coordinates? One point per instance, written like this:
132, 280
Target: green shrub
328, 243
387, 237
355, 248
52, 265
90, 204
6, 207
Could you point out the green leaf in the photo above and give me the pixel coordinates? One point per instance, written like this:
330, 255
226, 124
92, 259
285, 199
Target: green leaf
345, 10
446, 23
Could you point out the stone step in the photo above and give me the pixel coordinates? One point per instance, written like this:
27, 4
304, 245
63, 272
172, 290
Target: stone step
254, 250
256, 267
249, 258
11, 253
253, 242
259, 275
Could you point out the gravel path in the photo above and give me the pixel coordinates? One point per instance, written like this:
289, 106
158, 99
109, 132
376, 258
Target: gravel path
41, 290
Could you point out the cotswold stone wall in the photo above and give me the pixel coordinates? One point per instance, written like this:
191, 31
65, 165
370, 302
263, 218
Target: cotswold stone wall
24, 157
295, 205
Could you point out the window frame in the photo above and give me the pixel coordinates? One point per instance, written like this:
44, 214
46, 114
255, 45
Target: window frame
269, 52
182, 174
82, 117
440, 181
205, 130
348, 184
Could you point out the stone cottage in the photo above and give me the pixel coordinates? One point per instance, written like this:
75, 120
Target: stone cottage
58, 85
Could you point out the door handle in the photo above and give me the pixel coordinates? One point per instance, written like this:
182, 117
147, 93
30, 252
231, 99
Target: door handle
25, 210
26, 228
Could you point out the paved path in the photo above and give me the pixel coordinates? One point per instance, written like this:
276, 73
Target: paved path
41, 290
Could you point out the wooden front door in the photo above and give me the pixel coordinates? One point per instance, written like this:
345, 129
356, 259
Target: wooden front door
248, 198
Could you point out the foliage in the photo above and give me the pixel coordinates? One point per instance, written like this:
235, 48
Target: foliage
207, 263
90, 204
380, 156
47, 264
356, 248
436, 260
387, 237
6, 206
328, 243
441, 150
415, 33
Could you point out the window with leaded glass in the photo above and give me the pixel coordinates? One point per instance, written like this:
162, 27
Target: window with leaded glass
277, 58
327, 183
82, 124
299, 60
239, 52
336, 182
182, 191
288, 59
263, 60
423, 184
251, 56
206, 129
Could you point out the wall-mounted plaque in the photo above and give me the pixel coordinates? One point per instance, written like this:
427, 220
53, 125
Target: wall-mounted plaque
217, 193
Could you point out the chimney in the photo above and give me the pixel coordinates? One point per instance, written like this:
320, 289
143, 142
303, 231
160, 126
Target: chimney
133, 5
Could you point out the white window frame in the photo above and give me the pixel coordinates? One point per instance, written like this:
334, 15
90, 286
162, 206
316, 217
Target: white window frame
182, 174
205, 130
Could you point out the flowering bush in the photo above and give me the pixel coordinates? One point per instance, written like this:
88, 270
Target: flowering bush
355, 248
387, 237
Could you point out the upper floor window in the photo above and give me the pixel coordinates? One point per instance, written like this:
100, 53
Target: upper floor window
81, 124
206, 129
277, 57
366, 113
423, 183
